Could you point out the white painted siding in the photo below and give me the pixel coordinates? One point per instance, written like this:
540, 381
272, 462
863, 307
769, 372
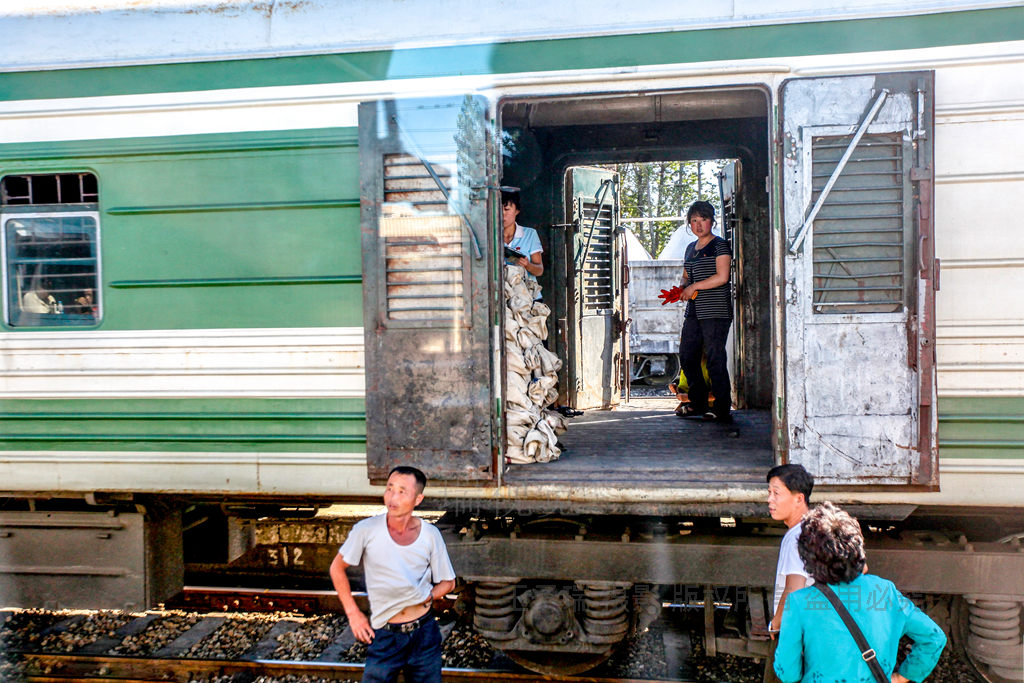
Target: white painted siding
250, 363
56, 33
979, 175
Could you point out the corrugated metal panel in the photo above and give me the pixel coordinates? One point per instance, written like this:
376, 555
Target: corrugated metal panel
424, 254
596, 220
859, 256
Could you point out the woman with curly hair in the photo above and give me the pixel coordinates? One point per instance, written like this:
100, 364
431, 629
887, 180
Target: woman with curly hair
814, 643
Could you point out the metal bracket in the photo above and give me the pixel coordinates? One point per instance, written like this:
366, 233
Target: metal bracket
789, 147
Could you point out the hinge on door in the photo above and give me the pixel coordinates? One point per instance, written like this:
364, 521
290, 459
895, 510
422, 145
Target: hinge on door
917, 174
789, 147
619, 326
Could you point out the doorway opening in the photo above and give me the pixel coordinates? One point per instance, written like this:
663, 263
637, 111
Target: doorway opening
565, 154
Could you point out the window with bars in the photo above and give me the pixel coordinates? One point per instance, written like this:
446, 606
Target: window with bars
598, 287
423, 242
50, 231
861, 253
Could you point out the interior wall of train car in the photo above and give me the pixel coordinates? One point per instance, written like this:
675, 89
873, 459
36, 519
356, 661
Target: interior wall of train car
552, 135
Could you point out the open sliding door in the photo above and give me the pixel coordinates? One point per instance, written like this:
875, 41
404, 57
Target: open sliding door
600, 354
859, 272
427, 170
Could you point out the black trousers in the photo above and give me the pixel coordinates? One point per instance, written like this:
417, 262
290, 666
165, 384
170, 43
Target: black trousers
706, 337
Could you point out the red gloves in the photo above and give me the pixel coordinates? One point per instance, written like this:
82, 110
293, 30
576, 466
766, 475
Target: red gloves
670, 296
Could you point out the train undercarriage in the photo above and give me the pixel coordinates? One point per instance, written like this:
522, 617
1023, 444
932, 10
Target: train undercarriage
557, 593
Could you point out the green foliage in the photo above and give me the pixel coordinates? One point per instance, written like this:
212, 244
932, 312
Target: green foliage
665, 188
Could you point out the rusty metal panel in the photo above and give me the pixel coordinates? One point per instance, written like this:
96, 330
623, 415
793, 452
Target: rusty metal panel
853, 147
89, 559
426, 168
989, 568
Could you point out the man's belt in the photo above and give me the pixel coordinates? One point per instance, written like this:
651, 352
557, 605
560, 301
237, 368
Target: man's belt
410, 626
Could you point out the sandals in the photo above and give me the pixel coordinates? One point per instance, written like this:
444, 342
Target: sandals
687, 410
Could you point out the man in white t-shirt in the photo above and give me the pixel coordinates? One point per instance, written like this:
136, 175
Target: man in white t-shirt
407, 567
789, 494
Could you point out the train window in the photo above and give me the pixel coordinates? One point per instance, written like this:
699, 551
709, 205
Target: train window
55, 188
860, 250
50, 232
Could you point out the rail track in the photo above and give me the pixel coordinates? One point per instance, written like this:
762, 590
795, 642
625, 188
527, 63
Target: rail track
221, 635
53, 668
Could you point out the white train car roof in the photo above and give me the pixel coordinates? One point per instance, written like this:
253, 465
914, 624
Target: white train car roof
51, 34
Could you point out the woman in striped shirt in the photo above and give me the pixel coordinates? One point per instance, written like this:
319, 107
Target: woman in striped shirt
708, 297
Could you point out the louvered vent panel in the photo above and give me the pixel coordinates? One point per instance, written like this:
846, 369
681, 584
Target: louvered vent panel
597, 265
423, 250
859, 234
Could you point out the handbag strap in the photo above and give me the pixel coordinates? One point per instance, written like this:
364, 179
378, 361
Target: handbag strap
867, 653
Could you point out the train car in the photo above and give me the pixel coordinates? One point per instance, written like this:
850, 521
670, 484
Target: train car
252, 260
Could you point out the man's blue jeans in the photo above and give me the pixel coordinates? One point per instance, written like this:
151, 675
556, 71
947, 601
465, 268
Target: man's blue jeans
417, 654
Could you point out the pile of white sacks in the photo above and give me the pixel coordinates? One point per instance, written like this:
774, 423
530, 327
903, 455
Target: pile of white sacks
532, 374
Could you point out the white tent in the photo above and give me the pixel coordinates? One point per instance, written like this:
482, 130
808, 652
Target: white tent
634, 249
676, 247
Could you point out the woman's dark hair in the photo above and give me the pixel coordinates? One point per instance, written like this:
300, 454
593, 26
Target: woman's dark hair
831, 545
510, 196
701, 208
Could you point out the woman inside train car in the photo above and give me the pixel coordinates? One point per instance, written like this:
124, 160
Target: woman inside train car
522, 240
814, 642
708, 296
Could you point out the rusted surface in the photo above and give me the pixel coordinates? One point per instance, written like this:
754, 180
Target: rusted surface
921, 563
852, 395
260, 600
924, 176
427, 296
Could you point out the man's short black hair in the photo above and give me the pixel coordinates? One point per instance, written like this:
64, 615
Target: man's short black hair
795, 478
510, 195
421, 479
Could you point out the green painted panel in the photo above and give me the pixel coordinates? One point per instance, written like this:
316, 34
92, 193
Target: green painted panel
338, 425
224, 425
232, 244
831, 37
270, 221
981, 427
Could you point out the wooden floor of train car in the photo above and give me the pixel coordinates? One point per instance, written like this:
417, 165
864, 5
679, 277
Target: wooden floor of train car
645, 442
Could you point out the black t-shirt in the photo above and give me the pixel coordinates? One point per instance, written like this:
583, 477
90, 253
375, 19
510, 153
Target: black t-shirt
699, 265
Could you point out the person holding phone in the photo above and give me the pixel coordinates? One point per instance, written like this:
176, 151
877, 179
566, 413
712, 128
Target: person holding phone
518, 238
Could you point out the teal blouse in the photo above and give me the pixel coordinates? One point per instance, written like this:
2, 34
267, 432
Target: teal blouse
816, 647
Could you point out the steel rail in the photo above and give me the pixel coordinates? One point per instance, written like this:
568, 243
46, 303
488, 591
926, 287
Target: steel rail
270, 600
58, 668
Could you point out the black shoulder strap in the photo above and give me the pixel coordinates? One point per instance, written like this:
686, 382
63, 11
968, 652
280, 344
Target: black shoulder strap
866, 651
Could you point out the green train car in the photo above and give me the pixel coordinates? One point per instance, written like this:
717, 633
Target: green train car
252, 260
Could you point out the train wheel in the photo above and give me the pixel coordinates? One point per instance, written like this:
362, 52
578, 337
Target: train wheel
556, 663
988, 632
